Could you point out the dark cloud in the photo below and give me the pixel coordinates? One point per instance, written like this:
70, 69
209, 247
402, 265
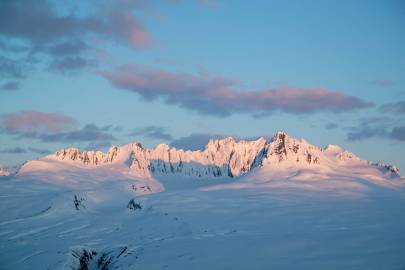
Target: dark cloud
39, 23
331, 126
71, 63
115, 128
63, 34
195, 141
366, 132
11, 68
20, 150
67, 48
218, 95
89, 133
395, 107
15, 150
376, 127
153, 132
398, 133
10, 86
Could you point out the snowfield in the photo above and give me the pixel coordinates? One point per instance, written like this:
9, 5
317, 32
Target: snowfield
235, 205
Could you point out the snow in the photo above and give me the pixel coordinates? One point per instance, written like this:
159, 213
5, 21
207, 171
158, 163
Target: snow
275, 209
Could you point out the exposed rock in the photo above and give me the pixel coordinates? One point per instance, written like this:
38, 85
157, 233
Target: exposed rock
134, 205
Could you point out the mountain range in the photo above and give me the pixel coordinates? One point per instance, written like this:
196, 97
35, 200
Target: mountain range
280, 158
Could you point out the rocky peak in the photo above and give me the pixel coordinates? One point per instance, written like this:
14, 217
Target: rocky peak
284, 148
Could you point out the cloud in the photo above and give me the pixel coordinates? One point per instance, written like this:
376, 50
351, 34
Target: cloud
116, 128
25, 122
66, 35
331, 126
15, 150
376, 127
195, 141
68, 64
153, 132
10, 68
10, 86
67, 48
20, 150
89, 133
52, 127
218, 95
383, 82
39, 23
395, 108
366, 132
398, 133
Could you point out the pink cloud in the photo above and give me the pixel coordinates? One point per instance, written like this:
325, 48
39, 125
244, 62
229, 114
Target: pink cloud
33, 121
217, 95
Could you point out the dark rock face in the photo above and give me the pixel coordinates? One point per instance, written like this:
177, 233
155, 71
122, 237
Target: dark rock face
78, 202
83, 258
90, 259
134, 205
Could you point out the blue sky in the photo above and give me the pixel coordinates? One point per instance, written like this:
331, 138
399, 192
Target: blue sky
94, 75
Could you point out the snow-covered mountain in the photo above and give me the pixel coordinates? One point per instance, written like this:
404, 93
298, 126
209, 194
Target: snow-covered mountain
278, 158
260, 204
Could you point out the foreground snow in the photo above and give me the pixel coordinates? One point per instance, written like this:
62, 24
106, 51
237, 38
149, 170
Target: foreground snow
282, 228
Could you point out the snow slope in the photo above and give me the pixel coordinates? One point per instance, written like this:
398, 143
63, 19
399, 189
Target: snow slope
277, 204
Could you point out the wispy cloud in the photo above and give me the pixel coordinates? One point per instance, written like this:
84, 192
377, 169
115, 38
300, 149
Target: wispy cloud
10, 86
216, 95
11, 68
398, 133
331, 126
377, 127
15, 150
394, 108
153, 132
89, 133
20, 150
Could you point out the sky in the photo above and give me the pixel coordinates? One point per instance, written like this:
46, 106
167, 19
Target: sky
92, 74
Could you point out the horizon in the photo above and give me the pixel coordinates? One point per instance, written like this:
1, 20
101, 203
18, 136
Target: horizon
91, 75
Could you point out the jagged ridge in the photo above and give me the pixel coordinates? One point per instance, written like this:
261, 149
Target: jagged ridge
221, 158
